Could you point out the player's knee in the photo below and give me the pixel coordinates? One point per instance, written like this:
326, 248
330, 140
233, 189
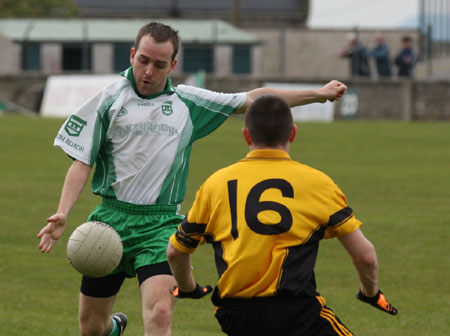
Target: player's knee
161, 315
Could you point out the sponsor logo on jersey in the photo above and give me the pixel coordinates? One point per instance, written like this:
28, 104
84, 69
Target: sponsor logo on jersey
146, 129
74, 125
145, 104
122, 112
167, 108
69, 142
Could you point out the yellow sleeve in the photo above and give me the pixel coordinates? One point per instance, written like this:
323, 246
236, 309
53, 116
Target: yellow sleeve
179, 246
350, 225
191, 230
343, 221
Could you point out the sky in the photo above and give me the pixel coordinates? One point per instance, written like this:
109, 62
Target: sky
363, 13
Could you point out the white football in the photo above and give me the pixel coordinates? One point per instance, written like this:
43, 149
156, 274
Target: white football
94, 249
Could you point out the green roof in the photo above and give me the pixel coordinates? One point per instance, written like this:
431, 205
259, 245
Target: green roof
119, 30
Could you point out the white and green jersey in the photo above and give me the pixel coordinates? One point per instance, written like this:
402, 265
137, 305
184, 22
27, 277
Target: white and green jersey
141, 145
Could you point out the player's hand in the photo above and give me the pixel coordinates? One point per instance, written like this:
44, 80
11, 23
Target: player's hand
197, 293
51, 232
332, 91
378, 301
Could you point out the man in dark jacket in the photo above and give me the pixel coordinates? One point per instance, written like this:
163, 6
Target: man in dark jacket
406, 58
357, 54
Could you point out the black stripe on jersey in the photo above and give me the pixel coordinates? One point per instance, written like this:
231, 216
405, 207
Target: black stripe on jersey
185, 240
221, 265
186, 230
340, 217
191, 228
297, 276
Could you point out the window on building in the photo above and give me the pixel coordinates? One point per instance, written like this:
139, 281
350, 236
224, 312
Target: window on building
197, 58
76, 57
31, 56
121, 56
241, 60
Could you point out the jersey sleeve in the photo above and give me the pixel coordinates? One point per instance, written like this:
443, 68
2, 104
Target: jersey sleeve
343, 221
191, 230
209, 109
84, 132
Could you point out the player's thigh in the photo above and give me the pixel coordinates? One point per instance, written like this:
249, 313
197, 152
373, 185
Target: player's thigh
95, 312
97, 297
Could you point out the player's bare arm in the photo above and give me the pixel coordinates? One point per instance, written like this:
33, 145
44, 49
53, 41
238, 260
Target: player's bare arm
180, 264
366, 263
331, 91
74, 183
364, 259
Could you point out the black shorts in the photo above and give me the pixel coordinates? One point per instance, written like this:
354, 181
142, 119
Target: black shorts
281, 316
110, 284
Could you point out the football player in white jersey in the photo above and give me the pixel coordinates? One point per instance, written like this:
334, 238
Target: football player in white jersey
138, 133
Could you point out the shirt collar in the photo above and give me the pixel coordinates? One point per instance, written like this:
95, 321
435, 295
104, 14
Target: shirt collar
128, 74
268, 154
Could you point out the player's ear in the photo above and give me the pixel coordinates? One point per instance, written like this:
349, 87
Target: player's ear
172, 65
293, 133
247, 137
132, 53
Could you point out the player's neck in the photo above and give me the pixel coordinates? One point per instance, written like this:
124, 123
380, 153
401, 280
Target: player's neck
279, 147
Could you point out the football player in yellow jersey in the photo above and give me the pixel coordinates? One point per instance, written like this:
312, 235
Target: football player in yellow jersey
265, 216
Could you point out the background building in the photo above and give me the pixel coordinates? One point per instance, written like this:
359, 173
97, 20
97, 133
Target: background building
216, 47
245, 13
100, 46
237, 44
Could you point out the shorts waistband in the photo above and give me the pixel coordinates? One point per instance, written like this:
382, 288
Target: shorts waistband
141, 209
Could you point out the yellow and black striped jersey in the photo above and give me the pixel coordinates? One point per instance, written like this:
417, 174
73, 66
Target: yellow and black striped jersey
264, 217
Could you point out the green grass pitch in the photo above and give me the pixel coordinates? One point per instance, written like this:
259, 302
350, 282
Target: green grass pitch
396, 176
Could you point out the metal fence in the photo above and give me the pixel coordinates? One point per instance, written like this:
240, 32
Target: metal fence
434, 30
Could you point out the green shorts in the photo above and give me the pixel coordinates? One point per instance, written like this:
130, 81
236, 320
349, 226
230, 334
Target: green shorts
144, 229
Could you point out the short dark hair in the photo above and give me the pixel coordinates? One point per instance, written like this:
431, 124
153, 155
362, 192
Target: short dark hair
161, 33
269, 121
406, 39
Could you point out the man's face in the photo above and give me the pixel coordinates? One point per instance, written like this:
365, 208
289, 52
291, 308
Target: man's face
152, 63
379, 39
407, 44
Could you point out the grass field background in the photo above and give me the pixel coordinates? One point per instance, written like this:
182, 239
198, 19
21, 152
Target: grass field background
396, 177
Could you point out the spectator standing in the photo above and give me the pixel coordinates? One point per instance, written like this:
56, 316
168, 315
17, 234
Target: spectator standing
406, 58
381, 56
358, 56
